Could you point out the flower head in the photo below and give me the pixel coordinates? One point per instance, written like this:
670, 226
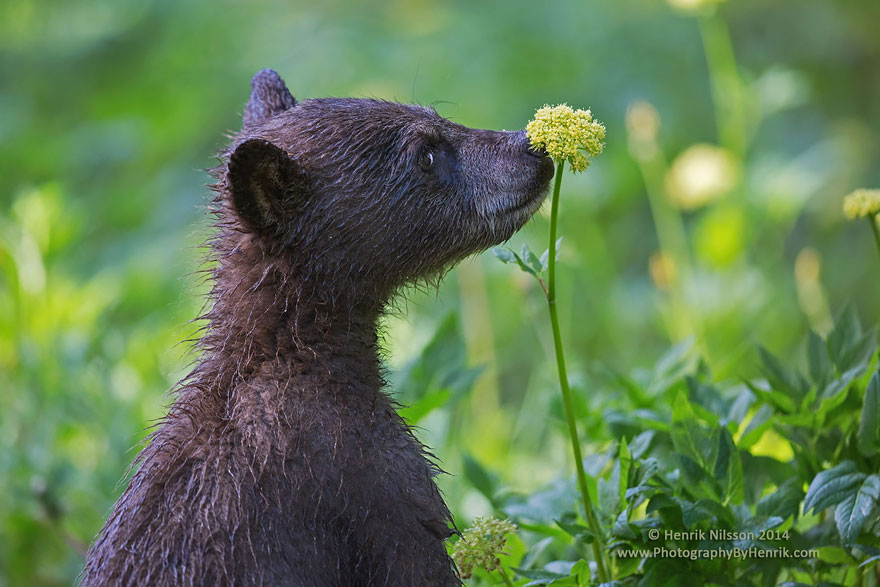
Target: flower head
567, 134
862, 203
481, 544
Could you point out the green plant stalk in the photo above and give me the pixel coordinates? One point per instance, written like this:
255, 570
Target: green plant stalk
563, 379
873, 220
727, 86
504, 576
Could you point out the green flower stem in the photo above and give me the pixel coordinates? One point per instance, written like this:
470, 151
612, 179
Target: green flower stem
504, 576
873, 220
563, 380
727, 87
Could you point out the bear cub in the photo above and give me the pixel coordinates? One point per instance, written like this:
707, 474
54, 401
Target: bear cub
282, 460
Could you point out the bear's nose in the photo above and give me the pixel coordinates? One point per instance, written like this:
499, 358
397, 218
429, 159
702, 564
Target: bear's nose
522, 141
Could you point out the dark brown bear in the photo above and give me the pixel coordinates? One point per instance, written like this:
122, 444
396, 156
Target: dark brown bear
282, 460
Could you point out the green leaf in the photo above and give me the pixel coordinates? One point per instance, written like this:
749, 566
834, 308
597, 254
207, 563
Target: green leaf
846, 334
835, 556
621, 528
818, 360
782, 378
545, 256
860, 353
413, 413
625, 461
759, 424
777, 399
546, 576
577, 531
688, 436
504, 255
728, 467
546, 505
832, 486
694, 513
835, 393
482, 480
857, 508
783, 502
641, 443
869, 427
509, 256
531, 260
581, 570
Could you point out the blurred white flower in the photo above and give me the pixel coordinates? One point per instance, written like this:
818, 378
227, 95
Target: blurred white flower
700, 175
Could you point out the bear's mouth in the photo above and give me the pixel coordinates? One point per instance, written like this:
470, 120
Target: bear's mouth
536, 191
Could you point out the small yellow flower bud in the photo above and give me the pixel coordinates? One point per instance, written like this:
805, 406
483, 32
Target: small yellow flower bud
862, 203
480, 545
567, 134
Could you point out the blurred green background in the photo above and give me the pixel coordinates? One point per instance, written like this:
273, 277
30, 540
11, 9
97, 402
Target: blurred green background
714, 214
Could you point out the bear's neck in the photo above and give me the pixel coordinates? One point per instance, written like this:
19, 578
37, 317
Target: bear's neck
267, 316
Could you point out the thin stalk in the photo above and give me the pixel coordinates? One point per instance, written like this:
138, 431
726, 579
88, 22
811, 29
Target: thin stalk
727, 86
873, 220
504, 576
563, 380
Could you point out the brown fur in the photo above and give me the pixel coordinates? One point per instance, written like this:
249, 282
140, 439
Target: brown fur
282, 461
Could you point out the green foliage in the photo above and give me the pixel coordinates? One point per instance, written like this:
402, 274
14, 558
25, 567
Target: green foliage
110, 110
711, 485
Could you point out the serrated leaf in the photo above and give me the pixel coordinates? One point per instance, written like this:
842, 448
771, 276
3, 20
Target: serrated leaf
832, 486
857, 508
869, 426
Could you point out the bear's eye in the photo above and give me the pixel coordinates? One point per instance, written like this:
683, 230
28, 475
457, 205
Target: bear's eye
426, 160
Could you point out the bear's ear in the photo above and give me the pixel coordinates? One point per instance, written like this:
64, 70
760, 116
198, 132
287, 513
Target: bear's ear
269, 97
266, 184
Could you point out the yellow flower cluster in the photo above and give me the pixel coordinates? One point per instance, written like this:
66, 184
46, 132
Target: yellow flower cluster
480, 545
862, 203
567, 134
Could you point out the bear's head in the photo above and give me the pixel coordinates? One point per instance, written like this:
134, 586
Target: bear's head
370, 195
